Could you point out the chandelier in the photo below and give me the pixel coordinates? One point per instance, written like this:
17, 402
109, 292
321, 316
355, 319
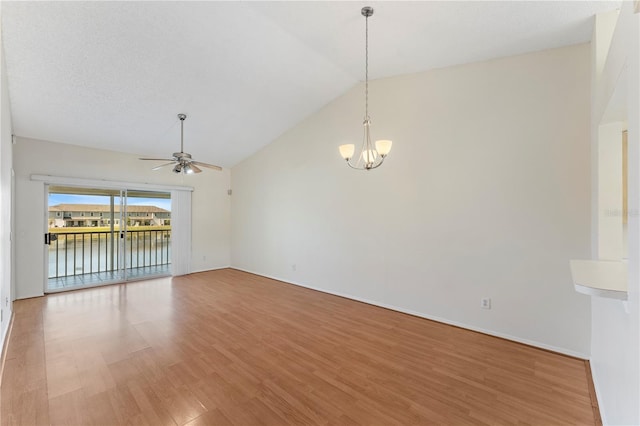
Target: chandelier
370, 156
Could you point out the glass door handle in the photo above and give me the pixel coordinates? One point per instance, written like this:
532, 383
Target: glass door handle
49, 238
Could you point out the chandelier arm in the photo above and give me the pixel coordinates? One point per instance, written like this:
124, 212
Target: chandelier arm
375, 165
378, 164
368, 152
366, 142
352, 166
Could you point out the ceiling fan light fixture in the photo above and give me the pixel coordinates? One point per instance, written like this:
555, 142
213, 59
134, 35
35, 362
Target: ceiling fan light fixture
177, 168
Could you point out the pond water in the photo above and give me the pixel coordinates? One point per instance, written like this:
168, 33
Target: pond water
89, 255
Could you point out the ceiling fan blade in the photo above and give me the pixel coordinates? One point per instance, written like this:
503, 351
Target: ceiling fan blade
163, 165
157, 159
195, 168
209, 166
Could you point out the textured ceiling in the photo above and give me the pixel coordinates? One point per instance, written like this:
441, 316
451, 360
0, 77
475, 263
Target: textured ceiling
114, 75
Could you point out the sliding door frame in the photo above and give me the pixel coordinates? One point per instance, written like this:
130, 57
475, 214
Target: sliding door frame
123, 187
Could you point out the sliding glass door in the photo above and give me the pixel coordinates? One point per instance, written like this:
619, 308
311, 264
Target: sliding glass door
147, 237
99, 236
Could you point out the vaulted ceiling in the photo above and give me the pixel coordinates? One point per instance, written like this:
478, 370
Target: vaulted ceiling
114, 75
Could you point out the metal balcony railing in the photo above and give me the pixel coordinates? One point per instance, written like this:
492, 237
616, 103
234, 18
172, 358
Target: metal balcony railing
78, 253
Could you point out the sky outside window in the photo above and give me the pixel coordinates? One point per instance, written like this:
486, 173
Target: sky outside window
55, 199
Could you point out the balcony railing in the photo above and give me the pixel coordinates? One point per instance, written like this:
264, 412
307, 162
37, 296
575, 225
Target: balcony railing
78, 253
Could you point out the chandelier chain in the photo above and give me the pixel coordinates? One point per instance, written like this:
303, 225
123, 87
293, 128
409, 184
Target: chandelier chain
366, 69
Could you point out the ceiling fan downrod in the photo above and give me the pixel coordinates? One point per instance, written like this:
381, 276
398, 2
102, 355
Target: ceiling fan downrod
182, 117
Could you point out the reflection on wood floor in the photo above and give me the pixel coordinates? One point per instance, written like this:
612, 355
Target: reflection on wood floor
227, 347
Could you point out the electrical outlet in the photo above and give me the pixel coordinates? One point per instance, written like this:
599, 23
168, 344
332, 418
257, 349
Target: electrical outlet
294, 267
485, 303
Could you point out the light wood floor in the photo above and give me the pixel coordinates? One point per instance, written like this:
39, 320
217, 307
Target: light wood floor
226, 347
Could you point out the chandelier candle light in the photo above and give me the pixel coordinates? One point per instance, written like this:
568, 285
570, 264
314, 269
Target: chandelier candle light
370, 157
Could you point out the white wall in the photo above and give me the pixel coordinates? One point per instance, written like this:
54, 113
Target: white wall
485, 193
610, 227
615, 353
6, 295
210, 202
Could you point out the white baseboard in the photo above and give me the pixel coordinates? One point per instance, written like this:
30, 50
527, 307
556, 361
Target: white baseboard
30, 296
596, 387
5, 345
215, 268
528, 342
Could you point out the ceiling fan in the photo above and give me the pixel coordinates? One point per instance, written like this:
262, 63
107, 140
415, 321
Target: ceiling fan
183, 161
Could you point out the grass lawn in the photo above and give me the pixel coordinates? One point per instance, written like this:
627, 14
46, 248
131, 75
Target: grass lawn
87, 229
